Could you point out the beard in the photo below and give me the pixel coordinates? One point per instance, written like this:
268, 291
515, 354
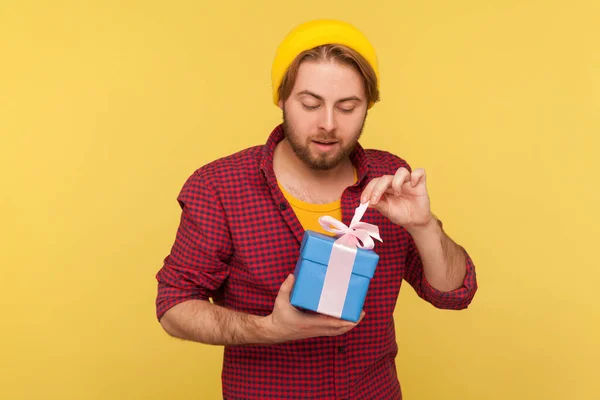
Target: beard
320, 162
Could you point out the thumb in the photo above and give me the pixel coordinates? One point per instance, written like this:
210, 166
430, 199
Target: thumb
286, 286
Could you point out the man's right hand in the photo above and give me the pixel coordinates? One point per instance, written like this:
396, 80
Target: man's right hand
287, 323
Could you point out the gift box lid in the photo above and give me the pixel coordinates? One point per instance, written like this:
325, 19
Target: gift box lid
316, 247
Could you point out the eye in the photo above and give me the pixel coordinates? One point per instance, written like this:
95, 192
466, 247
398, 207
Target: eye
346, 110
309, 108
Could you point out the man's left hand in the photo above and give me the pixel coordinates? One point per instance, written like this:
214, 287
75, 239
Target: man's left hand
402, 198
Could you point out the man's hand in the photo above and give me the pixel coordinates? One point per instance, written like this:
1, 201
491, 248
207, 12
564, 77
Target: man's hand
402, 198
287, 323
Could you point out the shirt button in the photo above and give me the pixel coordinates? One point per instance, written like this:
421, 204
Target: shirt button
282, 206
341, 349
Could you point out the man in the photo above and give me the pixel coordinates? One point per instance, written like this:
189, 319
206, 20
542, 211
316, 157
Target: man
243, 218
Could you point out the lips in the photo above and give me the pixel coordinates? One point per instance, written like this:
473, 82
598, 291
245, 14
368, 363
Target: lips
324, 146
324, 142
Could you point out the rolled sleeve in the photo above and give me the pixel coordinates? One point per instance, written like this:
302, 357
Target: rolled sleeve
457, 299
198, 262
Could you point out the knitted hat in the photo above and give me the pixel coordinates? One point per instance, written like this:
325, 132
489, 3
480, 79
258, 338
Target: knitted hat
316, 33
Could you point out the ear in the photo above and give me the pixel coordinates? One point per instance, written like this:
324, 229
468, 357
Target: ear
280, 104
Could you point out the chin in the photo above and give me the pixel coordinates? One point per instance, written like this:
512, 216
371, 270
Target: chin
320, 164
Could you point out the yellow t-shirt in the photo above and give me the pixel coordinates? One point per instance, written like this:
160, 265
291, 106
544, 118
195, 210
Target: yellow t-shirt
308, 214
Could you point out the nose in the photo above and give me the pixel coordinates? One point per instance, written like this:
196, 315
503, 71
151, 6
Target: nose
327, 120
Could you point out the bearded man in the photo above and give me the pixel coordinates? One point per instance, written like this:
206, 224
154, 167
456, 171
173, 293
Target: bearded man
244, 217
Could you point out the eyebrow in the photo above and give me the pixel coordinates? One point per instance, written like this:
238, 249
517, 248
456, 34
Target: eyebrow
308, 92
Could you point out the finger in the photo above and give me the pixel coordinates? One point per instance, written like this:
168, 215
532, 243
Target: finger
402, 175
380, 188
362, 315
327, 320
366, 194
342, 323
330, 323
341, 329
418, 175
287, 285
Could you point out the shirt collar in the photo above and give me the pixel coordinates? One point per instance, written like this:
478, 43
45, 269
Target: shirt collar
358, 157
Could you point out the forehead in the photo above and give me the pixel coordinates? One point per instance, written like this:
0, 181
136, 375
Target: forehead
329, 79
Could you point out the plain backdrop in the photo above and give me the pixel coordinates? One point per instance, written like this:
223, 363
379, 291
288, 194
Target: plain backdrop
106, 107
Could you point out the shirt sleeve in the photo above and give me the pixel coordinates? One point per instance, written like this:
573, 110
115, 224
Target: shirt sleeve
457, 299
198, 262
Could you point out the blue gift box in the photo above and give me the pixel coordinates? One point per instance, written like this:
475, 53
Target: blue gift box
310, 270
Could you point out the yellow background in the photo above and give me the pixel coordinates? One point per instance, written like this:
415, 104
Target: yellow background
107, 107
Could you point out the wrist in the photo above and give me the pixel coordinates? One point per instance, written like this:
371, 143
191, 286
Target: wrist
266, 330
430, 226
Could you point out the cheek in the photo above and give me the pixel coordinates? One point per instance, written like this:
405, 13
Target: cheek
302, 121
352, 123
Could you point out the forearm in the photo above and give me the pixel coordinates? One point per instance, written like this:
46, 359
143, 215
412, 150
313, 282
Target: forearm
444, 262
204, 322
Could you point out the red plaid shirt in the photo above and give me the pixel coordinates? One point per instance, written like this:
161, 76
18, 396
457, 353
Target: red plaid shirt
237, 241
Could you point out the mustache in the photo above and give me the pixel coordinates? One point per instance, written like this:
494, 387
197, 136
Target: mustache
327, 138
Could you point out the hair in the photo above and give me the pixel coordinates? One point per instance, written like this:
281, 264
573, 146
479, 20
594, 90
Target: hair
335, 53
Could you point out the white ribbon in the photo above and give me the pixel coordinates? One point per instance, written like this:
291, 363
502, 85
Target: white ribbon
341, 260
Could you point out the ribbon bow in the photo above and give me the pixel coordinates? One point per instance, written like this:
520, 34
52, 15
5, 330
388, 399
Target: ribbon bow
358, 234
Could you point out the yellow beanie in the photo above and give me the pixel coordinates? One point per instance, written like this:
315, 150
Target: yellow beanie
316, 33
